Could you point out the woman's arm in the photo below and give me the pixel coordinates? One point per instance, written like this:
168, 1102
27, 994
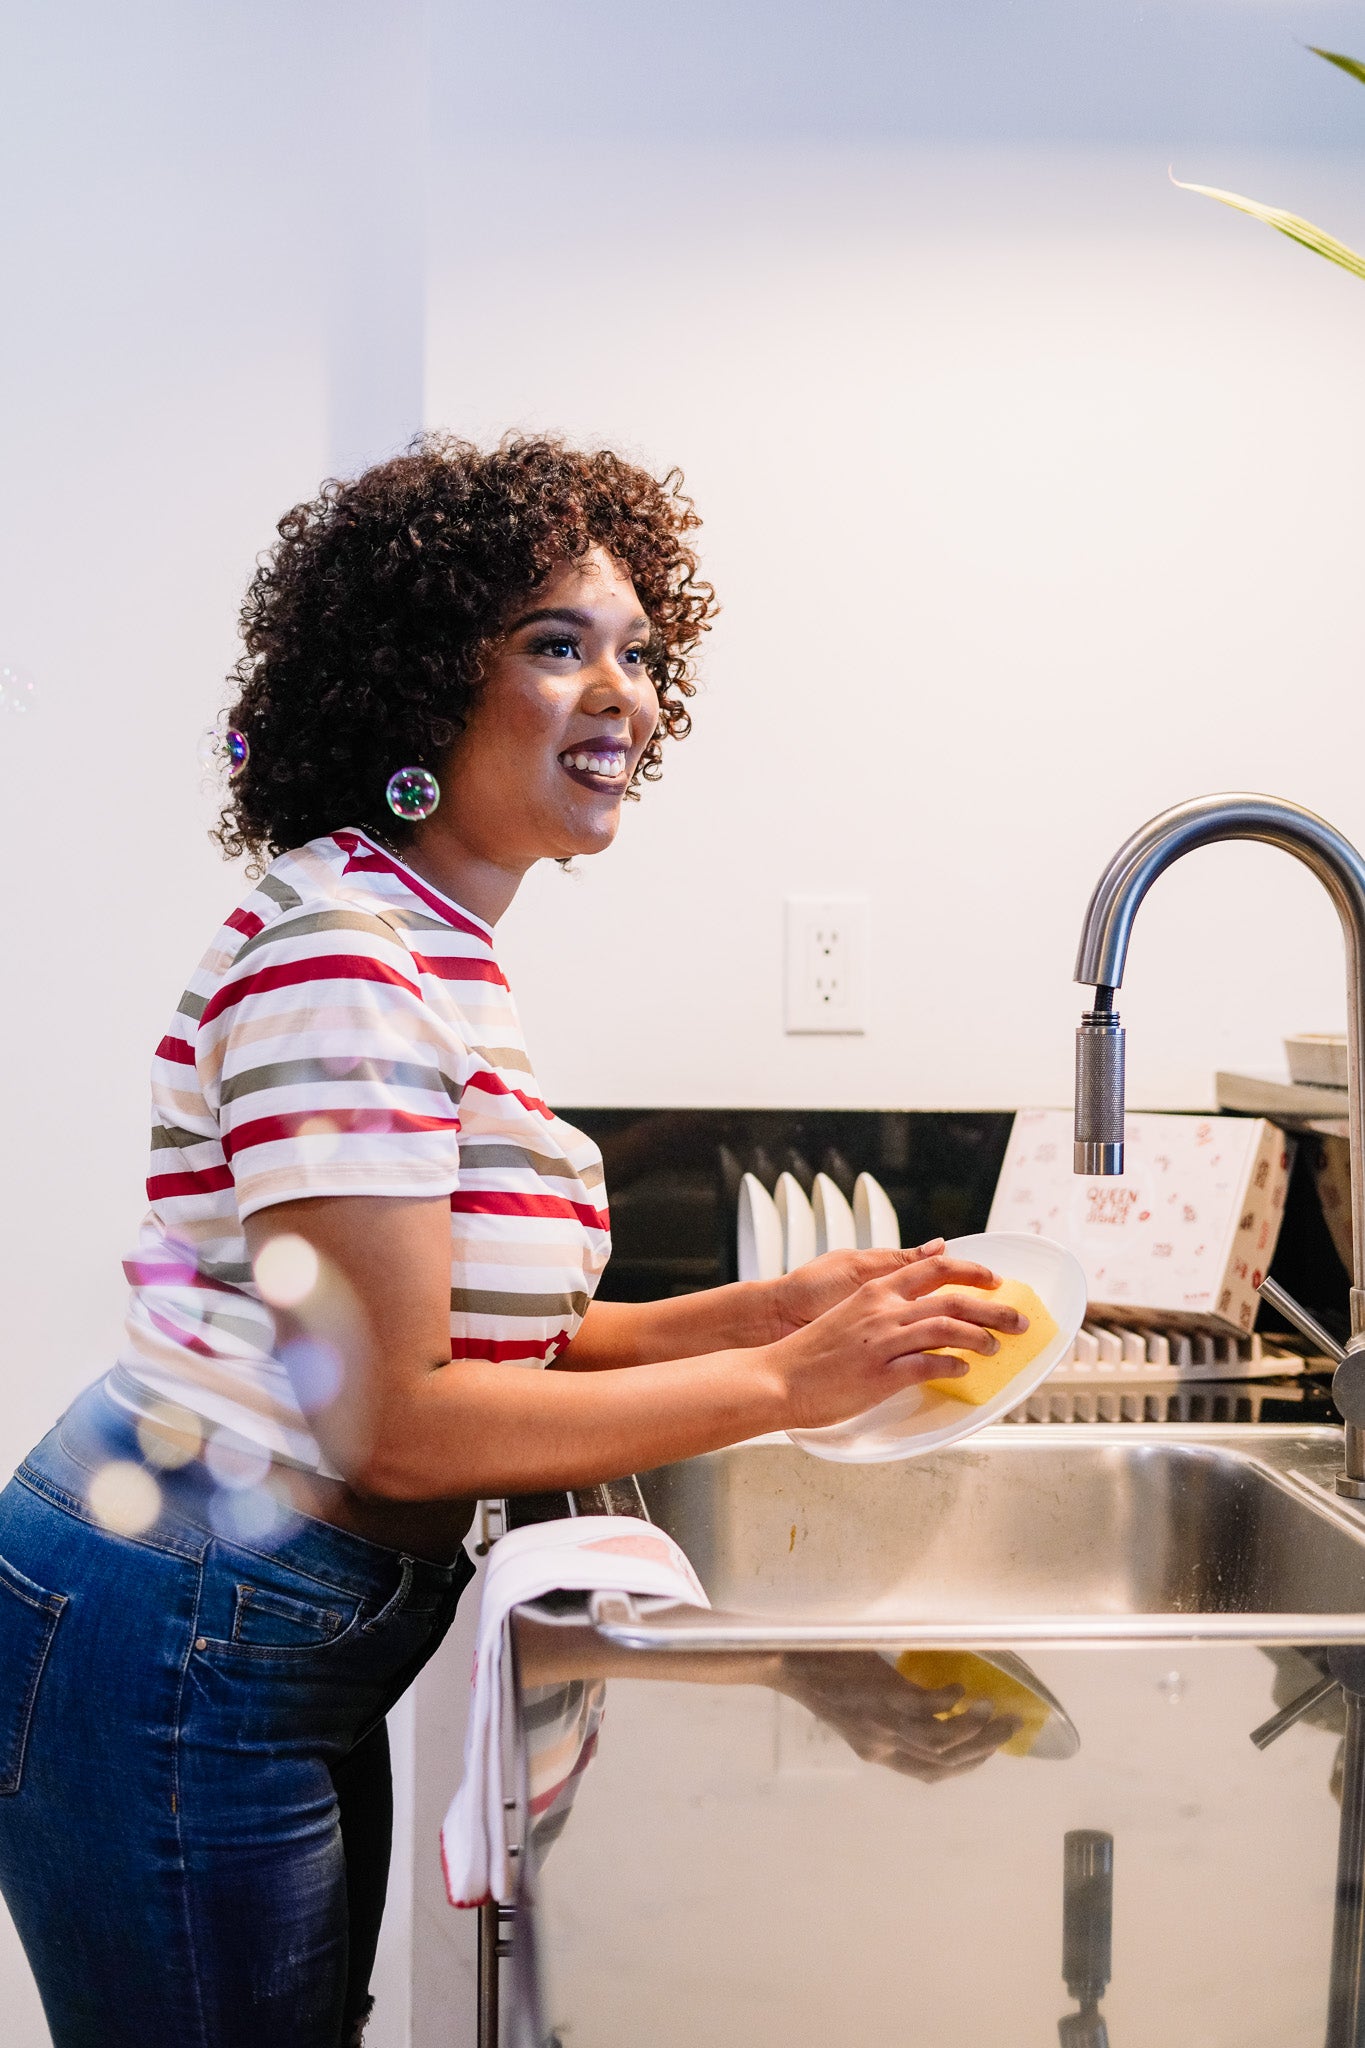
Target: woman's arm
407, 1423
617, 1333
884, 1718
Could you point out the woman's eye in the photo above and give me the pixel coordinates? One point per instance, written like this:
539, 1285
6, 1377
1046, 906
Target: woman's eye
560, 648
634, 657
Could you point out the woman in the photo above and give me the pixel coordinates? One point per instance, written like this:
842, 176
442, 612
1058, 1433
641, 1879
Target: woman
231, 1556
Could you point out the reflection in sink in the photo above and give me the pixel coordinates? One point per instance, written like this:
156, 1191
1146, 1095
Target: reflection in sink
1091, 1533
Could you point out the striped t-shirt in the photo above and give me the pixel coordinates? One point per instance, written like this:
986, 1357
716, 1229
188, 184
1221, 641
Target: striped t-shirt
349, 1032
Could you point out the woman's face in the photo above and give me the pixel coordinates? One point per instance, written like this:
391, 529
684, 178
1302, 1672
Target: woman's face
565, 710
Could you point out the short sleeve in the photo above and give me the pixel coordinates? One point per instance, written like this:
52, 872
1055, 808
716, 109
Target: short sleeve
328, 1072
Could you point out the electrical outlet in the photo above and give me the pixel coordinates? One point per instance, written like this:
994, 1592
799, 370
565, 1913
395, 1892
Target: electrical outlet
826, 963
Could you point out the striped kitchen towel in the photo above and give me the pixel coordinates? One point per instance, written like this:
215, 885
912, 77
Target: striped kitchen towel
586, 1554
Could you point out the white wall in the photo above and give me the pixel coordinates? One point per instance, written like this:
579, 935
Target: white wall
1032, 492
1030, 488
210, 204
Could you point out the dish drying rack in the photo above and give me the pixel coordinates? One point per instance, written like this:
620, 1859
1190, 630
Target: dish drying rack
1208, 1401
1107, 1353
1119, 1374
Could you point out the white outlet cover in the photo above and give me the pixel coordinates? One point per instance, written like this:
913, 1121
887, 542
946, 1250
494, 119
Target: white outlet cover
826, 963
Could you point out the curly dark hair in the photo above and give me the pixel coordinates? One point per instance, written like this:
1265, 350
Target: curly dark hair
367, 625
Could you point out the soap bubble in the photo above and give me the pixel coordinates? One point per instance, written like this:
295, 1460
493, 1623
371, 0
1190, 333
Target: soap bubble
17, 690
124, 1497
223, 750
235, 1463
314, 1367
413, 794
326, 1145
170, 1436
286, 1270
252, 1515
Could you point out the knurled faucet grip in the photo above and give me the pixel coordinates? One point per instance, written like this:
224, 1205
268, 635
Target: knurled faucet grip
1087, 1913
1099, 1095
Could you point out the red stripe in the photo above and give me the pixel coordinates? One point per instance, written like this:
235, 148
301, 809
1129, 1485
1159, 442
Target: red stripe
493, 1084
245, 921
267, 1130
177, 1050
499, 1350
498, 1203
372, 861
163, 1187
143, 1273
545, 1800
291, 973
172, 1330
460, 967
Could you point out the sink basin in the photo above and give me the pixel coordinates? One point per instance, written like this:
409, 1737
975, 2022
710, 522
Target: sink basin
1046, 1534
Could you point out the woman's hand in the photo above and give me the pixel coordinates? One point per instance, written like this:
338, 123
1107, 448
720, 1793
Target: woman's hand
885, 1719
799, 1297
879, 1339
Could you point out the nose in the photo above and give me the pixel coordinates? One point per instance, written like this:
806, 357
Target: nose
609, 690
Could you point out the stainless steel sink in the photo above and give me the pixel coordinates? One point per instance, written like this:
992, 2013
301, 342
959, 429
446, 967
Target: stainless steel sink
1051, 1534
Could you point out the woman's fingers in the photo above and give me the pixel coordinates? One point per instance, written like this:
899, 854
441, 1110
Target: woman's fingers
924, 1276
970, 1308
931, 1699
933, 1333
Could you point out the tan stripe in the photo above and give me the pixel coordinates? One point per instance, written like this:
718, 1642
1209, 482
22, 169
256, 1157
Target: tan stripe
166, 1138
400, 1174
503, 1056
422, 921
501, 1252
202, 1372
322, 921
479, 1155
421, 1030
476, 1301
279, 892
337, 1073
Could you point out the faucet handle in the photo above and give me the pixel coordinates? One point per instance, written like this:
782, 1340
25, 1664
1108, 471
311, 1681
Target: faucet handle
1099, 1089
1348, 1381
1307, 1325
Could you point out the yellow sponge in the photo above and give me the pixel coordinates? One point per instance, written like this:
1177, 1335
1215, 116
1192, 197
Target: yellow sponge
986, 1376
979, 1681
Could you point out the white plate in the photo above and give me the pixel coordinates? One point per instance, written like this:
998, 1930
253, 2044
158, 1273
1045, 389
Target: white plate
920, 1419
835, 1230
798, 1222
874, 1216
760, 1232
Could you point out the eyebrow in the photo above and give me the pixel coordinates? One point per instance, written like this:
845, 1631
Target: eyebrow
564, 615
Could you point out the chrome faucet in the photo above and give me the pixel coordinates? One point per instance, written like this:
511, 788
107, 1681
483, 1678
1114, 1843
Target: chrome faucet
1099, 1041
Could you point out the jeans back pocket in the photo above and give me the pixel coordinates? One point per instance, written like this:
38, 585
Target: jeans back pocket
28, 1622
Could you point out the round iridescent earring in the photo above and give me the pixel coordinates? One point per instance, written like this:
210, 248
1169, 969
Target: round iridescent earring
222, 747
412, 794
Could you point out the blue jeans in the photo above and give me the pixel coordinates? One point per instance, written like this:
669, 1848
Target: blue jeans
195, 1802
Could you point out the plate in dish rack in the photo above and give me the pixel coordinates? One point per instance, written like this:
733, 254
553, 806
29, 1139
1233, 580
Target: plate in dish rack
919, 1419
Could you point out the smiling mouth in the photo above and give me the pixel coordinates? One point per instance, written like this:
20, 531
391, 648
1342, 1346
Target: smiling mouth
595, 767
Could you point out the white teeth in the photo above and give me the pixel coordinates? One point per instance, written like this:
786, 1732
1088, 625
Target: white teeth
609, 766
580, 762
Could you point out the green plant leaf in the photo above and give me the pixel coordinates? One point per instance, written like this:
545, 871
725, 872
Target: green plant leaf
1297, 229
1350, 65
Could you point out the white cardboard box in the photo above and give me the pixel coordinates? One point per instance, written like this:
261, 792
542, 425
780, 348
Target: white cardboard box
1188, 1230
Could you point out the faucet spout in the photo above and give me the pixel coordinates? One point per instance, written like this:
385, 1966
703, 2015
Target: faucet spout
1100, 963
